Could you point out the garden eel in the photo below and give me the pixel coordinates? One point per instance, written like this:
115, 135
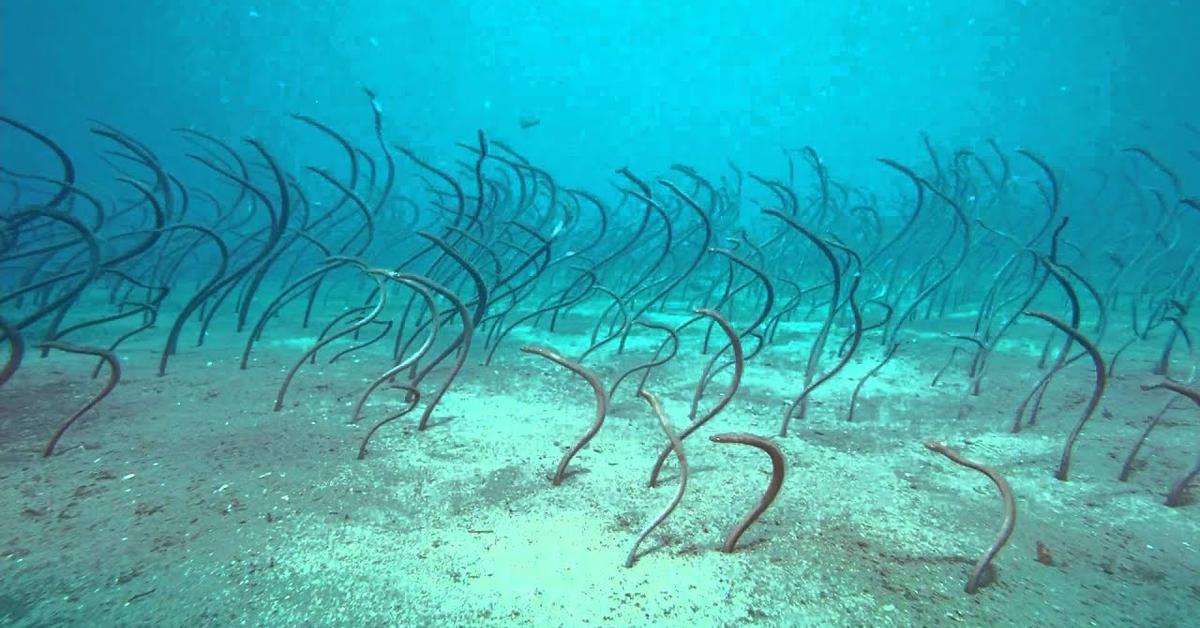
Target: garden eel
601, 404
1010, 511
1097, 391
677, 447
114, 377
777, 468
1175, 496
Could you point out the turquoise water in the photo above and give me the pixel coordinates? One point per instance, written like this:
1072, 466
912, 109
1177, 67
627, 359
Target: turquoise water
374, 313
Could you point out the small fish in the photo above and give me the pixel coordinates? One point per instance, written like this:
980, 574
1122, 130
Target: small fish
529, 123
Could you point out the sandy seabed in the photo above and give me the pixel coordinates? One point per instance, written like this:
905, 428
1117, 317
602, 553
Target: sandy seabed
186, 501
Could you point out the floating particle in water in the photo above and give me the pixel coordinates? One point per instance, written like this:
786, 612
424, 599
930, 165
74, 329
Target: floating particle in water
253, 12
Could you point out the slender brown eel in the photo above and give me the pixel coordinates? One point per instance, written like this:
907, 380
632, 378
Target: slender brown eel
114, 377
739, 367
601, 404
1064, 463
777, 468
1010, 511
677, 447
414, 397
1175, 495
16, 349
